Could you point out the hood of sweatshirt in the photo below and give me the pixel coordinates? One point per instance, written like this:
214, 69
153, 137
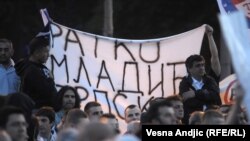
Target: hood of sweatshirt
21, 65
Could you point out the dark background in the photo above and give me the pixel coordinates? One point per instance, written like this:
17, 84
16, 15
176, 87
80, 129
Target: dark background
20, 20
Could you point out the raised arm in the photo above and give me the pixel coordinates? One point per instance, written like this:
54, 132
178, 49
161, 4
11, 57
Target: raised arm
215, 62
235, 110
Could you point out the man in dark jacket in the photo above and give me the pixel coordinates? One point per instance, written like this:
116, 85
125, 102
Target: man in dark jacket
36, 78
198, 90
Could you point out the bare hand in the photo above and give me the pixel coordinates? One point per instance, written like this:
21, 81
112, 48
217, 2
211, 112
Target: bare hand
209, 29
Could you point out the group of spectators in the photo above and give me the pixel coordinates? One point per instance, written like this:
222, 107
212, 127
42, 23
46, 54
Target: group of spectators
31, 108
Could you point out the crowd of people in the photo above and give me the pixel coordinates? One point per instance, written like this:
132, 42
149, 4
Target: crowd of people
32, 109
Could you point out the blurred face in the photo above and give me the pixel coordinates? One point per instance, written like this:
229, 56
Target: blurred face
42, 54
133, 127
69, 134
166, 115
16, 127
132, 114
110, 121
196, 118
178, 108
94, 113
44, 126
82, 124
6, 51
198, 69
69, 100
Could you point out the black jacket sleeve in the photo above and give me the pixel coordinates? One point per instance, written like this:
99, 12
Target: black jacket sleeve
185, 86
210, 92
39, 87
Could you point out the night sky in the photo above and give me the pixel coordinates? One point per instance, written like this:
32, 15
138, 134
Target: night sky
133, 19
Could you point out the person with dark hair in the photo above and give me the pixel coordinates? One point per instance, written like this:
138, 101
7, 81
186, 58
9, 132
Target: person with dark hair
156, 99
67, 98
94, 111
10, 81
132, 113
45, 118
24, 102
195, 118
110, 119
176, 102
161, 113
213, 117
76, 118
144, 118
12, 120
197, 89
36, 79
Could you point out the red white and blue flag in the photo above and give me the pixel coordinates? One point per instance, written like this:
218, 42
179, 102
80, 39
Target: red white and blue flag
229, 6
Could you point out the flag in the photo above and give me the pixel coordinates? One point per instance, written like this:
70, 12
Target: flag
45, 32
234, 27
229, 6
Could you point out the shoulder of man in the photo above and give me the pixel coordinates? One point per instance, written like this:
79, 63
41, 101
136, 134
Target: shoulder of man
209, 79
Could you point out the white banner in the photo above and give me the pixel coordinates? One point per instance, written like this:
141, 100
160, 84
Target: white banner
119, 72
